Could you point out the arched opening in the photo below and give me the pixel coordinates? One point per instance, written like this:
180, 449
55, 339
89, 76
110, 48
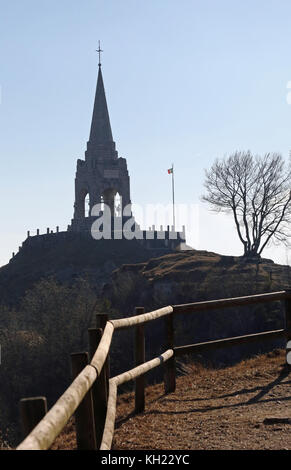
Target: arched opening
87, 205
117, 205
102, 203
82, 207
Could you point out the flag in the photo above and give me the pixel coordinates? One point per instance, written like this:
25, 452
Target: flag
170, 170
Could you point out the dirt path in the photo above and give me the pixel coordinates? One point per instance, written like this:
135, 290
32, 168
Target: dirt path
241, 407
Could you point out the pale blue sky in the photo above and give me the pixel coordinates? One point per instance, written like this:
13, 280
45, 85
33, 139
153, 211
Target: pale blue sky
186, 81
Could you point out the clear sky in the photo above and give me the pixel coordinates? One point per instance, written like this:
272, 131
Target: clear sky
186, 82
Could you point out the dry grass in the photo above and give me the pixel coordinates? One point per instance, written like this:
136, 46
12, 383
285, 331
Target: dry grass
67, 439
211, 409
4, 445
216, 409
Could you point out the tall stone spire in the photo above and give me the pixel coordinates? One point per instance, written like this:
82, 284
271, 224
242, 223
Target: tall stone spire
102, 176
100, 133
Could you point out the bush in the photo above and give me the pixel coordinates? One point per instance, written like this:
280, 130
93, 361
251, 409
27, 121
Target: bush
36, 341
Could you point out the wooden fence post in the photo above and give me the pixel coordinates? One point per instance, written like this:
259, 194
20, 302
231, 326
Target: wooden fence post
84, 414
32, 410
99, 388
288, 327
139, 350
170, 366
101, 320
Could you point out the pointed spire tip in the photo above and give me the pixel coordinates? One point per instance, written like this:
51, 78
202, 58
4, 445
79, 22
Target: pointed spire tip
99, 50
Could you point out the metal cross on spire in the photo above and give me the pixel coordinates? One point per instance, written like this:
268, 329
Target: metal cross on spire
99, 50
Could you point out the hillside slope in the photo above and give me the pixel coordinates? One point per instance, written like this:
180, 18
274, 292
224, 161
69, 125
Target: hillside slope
66, 259
189, 276
60, 311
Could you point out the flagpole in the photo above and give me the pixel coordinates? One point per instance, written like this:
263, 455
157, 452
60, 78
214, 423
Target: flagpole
173, 191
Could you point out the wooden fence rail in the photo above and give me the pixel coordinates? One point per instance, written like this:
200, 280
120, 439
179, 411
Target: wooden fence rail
92, 395
121, 379
228, 342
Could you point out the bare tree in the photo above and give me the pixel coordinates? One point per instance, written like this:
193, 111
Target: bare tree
256, 190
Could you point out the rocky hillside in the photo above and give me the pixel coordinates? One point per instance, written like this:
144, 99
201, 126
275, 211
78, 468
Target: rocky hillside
191, 276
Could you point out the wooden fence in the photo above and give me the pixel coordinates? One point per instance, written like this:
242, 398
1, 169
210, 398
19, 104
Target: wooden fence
92, 394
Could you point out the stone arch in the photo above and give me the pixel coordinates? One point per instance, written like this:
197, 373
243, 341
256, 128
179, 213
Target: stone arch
83, 203
87, 205
117, 204
102, 203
